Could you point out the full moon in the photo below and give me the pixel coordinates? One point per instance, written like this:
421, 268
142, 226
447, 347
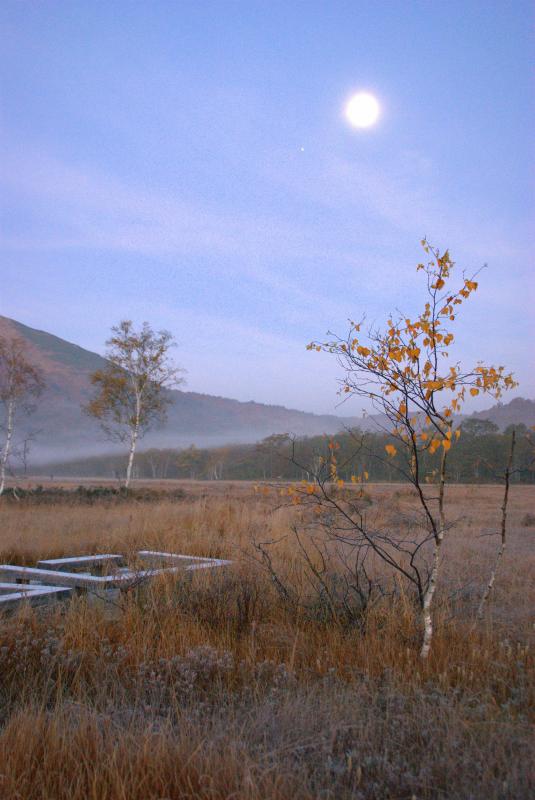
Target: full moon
362, 110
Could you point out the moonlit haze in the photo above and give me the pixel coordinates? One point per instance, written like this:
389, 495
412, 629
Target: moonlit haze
250, 175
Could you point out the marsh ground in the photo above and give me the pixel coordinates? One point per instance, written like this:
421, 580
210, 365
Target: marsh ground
218, 688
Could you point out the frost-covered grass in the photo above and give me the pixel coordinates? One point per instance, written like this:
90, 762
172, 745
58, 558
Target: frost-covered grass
219, 689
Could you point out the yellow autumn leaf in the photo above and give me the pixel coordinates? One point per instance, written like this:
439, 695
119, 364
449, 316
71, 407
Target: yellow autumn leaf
390, 449
474, 392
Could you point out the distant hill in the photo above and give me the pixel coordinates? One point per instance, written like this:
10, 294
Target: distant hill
504, 414
193, 418
64, 432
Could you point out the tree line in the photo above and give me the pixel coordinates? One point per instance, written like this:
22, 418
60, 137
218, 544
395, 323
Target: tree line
478, 457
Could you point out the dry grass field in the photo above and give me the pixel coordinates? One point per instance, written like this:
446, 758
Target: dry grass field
217, 688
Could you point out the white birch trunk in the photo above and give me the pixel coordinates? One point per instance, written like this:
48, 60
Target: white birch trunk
133, 444
428, 598
133, 441
490, 584
503, 532
431, 589
7, 445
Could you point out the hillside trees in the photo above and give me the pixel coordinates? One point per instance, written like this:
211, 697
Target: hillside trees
406, 371
21, 383
131, 392
271, 456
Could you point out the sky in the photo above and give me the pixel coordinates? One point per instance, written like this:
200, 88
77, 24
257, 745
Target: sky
189, 164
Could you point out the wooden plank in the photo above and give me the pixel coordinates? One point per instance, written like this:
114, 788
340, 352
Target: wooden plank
6, 588
59, 578
212, 564
32, 594
200, 562
67, 564
156, 555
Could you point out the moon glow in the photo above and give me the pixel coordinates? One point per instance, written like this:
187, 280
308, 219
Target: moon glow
362, 110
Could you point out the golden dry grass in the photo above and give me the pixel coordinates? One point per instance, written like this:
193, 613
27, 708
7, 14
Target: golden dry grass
217, 689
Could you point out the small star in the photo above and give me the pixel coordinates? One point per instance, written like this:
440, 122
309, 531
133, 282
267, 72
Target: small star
302, 149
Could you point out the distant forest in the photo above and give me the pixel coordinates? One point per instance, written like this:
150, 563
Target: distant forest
479, 456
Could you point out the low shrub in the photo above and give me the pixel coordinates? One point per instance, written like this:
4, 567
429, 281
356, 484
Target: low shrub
89, 495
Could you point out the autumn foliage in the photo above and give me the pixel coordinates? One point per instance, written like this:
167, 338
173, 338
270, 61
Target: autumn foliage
406, 370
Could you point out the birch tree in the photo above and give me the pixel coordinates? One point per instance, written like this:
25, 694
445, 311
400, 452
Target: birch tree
20, 384
406, 371
131, 392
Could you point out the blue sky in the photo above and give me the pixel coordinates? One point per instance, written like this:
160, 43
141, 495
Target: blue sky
189, 163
